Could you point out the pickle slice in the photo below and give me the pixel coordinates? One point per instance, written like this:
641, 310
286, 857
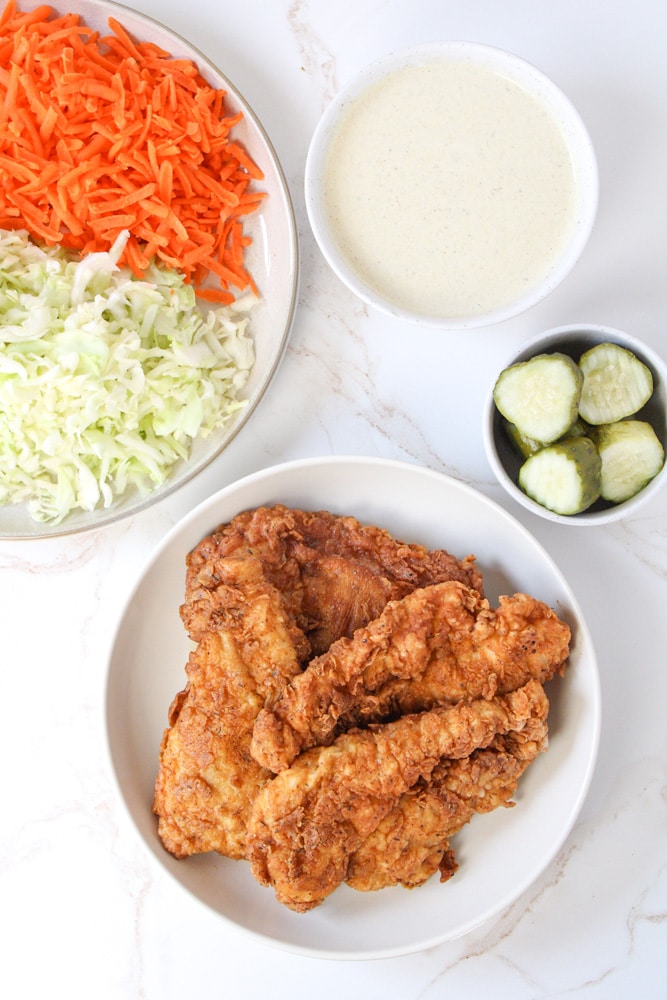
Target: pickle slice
540, 396
631, 456
616, 384
563, 477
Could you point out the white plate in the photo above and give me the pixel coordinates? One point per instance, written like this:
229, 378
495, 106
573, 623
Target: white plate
499, 854
272, 260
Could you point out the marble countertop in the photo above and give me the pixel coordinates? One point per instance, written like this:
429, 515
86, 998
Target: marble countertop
84, 915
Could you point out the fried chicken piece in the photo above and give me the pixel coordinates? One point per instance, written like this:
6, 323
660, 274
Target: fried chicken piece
308, 821
440, 644
410, 844
413, 840
246, 652
335, 574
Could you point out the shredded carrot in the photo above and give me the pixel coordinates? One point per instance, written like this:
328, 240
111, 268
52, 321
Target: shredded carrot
122, 136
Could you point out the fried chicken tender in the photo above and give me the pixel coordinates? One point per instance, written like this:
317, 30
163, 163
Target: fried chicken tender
351, 702
307, 822
247, 650
245, 583
335, 574
413, 840
439, 644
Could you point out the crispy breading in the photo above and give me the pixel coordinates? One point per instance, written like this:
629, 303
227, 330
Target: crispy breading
413, 840
246, 651
373, 676
244, 585
306, 823
437, 645
335, 574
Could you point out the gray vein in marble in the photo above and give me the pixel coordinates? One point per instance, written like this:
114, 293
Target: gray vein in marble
317, 59
506, 938
351, 377
646, 537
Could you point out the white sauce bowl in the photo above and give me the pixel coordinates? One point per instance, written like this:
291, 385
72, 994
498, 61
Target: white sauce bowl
465, 159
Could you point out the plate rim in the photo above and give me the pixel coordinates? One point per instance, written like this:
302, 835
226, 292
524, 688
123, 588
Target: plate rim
593, 720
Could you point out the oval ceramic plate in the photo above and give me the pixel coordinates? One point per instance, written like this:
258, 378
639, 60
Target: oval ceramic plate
499, 854
272, 260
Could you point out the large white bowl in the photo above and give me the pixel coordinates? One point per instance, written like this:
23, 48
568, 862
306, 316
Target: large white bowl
573, 340
273, 260
530, 80
500, 854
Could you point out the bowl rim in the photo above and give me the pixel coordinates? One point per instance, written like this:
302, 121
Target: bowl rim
519, 70
546, 341
79, 522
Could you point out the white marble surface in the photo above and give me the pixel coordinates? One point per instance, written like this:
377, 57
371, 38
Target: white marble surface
83, 914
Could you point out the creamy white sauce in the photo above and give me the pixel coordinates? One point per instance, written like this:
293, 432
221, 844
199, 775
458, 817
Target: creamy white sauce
449, 189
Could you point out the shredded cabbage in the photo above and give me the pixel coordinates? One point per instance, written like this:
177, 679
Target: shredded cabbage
105, 379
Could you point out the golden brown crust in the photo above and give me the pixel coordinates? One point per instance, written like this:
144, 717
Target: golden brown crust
307, 822
335, 574
245, 654
413, 840
373, 675
437, 645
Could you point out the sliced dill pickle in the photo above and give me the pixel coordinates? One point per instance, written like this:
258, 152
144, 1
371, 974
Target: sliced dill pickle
631, 455
579, 429
563, 477
616, 384
540, 396
523, 445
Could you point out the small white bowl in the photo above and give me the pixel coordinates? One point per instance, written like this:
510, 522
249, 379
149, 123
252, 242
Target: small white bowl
460, 151
573, 341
